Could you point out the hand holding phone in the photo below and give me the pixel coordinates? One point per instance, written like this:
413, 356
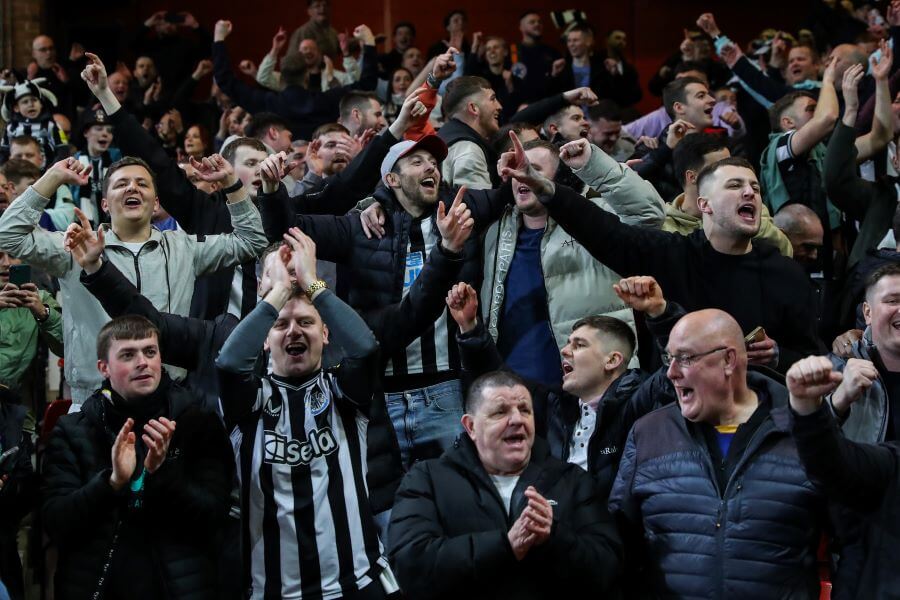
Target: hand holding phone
19, 275
757, 335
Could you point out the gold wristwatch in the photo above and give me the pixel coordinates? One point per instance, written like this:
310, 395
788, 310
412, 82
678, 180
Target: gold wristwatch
315, 287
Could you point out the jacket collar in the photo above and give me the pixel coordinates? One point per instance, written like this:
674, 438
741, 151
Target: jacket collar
540, 472
113, 240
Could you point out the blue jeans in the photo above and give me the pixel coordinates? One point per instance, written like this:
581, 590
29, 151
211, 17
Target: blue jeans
426, 420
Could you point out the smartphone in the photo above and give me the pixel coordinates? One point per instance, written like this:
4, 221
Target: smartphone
757, 335
7, 459
20, 275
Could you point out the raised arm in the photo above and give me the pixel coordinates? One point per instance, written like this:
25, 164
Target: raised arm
823, 119
625, 249
625, 193
20, 234
342, 190
854, 474
177, 195
846, 189
345, 327
764, 90
238, 385
883, 122
248, 240
252, 99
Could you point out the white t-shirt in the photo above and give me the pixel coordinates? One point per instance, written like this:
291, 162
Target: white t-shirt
505, 485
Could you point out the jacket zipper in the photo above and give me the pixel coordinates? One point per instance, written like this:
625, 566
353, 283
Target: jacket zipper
137, 271
754, 444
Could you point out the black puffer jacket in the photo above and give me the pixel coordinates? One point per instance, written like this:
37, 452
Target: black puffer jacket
449, 531
183, 506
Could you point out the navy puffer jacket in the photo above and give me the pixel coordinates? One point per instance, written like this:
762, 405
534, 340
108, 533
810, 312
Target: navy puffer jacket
755, 539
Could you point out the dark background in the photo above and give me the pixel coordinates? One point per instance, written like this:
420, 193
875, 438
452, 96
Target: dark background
654, 27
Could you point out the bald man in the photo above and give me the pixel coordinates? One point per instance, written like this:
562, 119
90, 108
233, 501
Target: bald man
711, 486
45, 64
804, 229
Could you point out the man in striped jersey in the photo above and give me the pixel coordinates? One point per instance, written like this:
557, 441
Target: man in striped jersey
299, 436
421, 383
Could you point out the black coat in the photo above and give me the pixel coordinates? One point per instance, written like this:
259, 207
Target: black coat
182, 511
19, 494
758, 288
863, 477
556, 412
449, 531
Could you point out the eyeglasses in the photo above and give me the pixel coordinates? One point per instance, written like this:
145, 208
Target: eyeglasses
688, 360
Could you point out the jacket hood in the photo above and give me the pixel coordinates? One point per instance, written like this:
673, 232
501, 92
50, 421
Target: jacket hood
455, 130
674, 211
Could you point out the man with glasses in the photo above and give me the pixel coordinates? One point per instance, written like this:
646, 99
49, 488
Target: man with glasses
711, 496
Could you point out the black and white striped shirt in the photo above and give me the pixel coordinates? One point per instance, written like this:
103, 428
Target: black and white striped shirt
430, 352
43, 129
308, 530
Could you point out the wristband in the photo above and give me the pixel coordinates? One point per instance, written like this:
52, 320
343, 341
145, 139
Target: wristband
46, 315
432, 81
233, 187
315, 287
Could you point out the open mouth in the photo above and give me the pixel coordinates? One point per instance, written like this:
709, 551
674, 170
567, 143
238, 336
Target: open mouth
429, 183
567, 368
133, 202
295, 349
747, 212
684, 393
516, 440
256, 183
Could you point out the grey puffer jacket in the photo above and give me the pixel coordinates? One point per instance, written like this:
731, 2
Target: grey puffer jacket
577, 284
